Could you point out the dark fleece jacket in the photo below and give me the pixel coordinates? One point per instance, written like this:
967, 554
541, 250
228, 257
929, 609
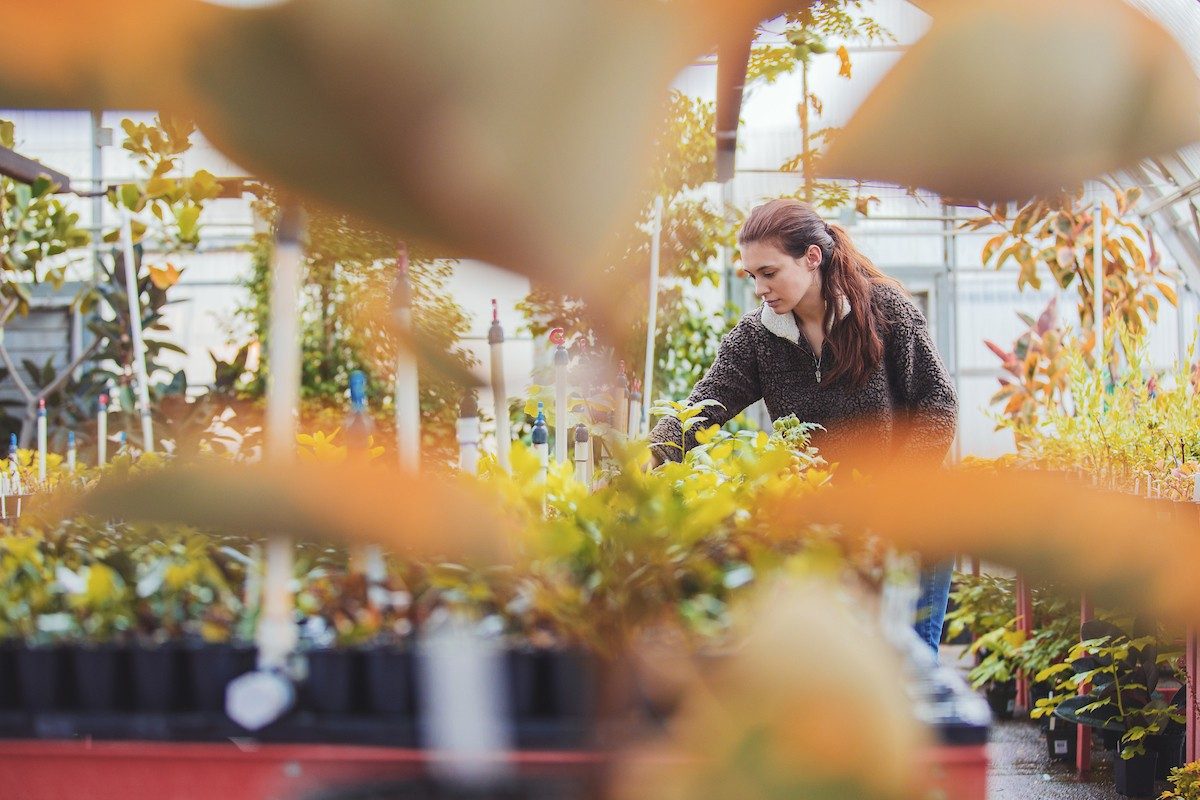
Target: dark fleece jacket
909, 389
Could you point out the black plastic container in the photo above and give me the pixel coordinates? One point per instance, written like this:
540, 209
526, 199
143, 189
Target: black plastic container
1135, 776
1170, 749
156, 672
333, 676
210, 668
97, 671
1062, 739
389, 680
551, 684
42, 677
1002, 699
8, 674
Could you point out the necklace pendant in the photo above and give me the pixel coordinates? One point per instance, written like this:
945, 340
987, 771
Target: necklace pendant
818, 374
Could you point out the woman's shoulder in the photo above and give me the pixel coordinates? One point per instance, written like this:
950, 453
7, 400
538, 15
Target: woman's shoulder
893, 302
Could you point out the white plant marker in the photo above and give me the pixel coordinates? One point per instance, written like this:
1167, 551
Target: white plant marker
499, 395
102, 432
71, 454
41, 442
561, 358
135, 330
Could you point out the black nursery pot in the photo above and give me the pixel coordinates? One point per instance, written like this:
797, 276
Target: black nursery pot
1062, 738
156, 671
97, 671
551, 684
1135, 776
389, 673
333, 675
8, 674
41, 677
1002, 699
1170, 749
210, 669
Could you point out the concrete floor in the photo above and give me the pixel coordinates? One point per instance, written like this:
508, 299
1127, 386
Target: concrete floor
1022, 770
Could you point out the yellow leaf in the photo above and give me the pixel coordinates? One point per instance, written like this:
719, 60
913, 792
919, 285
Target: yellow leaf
165, 277
1168, 292
705, 435
843, 61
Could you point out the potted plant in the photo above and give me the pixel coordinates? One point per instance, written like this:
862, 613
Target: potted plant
1123, 670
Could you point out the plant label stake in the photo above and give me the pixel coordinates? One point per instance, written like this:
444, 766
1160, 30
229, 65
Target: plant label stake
102, 432
582, 453
468, 435
14, 466
541, 443
41, 441
558, 337
408, 396
499, 395
621, 410
135, 330
71, 452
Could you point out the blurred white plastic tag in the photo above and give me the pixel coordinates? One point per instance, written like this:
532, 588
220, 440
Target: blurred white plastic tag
462, 681
257, 699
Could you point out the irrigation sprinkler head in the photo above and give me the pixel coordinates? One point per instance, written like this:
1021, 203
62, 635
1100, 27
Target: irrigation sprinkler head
541, 433
496, 332
358, 390
103, 402
581, 433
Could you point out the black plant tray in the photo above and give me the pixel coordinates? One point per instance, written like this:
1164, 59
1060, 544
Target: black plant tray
300, 727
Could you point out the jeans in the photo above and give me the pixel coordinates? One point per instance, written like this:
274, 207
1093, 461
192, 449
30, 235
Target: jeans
931, 604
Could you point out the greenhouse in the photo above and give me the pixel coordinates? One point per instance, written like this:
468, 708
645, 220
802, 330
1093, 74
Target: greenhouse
600, 399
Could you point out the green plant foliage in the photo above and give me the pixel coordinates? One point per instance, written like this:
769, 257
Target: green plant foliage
346, 313
1185, 783
36, 233
810, 33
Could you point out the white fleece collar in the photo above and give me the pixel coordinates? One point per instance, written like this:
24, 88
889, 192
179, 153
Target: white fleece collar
784, 325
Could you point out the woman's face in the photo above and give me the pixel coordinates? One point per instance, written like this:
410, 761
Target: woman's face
781, 281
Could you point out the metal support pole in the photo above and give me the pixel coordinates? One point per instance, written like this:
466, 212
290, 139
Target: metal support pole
135, 330
652, 316
407, 387
1083, 733
499, 395
557, 336
277, 633
1098, 280
468, 435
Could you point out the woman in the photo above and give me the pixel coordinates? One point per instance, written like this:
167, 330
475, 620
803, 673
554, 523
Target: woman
835, 342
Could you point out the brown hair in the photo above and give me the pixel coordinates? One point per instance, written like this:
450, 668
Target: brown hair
793, 226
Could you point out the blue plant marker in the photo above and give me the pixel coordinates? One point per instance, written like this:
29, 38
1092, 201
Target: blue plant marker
70, 438
12, 446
